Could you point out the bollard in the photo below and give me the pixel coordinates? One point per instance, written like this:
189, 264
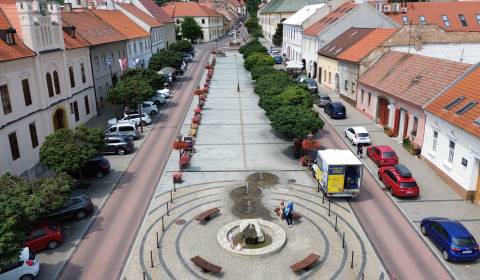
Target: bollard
171, 197
144, 275
336, 223
167, 209
158, 245
329, 208
163, 225
151, 258
343, 240
351, 265
174, 187
323, 198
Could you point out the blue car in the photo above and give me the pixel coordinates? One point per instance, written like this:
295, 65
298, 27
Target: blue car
278, 59
452, 238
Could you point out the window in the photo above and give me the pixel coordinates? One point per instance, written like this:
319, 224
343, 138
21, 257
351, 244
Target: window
178, 21
346, 85
104, 61
405, 19
75, 110
14, 150
7, 106
87, 105
56, 82
451, 151
462, 19
465, 108
33, 134
415, 126
72, 77
454, 102
82, 71
435, 141
96, 61
477, 17
363, 94
353, 87
369, 98
26, 92
135, 48
446, 22
422, 19
49, 85
203, 21
330, 77
324, 75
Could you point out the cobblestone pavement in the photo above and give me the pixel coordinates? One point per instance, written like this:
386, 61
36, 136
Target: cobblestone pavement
235, 147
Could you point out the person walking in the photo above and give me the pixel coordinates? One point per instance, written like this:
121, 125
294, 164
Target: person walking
359, 150
289, 214
282, 210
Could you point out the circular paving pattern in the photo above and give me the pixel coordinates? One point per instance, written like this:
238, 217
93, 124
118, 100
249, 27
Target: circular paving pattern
318, 231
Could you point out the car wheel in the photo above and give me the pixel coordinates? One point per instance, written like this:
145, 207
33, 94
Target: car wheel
52, 244
353, 143
80, 215
99, 174
120, 152
423, 230
445, 255
27, 277
153, 112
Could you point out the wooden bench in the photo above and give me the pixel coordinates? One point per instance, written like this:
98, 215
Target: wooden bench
205, 265
296, 216
306, 262
205, 215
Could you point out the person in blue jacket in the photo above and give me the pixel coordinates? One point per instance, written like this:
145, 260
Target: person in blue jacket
289, 213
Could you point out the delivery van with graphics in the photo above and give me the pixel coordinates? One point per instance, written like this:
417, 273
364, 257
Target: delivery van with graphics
339, 172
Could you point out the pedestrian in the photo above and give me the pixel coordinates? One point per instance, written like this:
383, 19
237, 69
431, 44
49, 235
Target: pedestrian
359, 150
289, 214
282, 209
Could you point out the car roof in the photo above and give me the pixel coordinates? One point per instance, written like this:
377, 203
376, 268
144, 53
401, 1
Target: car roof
384, 148
403, 170
359, 129
454, 228
148, 102
335, 104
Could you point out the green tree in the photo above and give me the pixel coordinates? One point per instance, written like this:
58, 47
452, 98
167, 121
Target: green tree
258, 59
130, 91
261, 70
292, 96
253, 46
165, 58
252, 7
22, 202
278, 36
295, 121
68, 150
155, 80
190, 29
273, 84
181, 46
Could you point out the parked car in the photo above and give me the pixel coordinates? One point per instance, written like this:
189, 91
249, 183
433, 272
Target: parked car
357, 135
399, 181
382, 155
148, 107
278, 59
77, 207
45, 234
322, 100
98, 167
452, 238
123, 129
311, 85
335, 110
158, 98
26, 268
187, 57
166, 92
118, 145
133, 118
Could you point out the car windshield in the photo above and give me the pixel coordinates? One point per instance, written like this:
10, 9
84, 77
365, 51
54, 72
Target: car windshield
389, 154
311, 83
408, 184
324, 98
463, 241
362, 134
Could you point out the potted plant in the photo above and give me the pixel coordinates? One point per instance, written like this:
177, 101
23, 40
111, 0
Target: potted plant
177, 177
185, 160
306, 160
413, 149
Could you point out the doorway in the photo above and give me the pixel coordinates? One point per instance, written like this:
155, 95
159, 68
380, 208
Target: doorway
320, 75
59, 119
314, 76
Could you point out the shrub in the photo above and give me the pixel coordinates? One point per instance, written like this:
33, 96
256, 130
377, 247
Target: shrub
253, 46
273, 84
258, 59
261, 70
291, 96
295, 121
181, 46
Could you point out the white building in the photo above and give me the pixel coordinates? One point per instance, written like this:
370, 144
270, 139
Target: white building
293, 31
451, 143
45, 82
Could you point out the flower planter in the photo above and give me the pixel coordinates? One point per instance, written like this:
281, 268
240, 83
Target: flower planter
203, 97
411, 148
306, 161
198, 110
177, 177
194, 125
196, 120
185, 160
180, 145
388, 131
192, 132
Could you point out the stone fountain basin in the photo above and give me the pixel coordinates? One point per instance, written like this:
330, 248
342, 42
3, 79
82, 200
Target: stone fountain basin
279, 237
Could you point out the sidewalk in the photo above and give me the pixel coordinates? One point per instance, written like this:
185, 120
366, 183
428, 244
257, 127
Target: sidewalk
436, 197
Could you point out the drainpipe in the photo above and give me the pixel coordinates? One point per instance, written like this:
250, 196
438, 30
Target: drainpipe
93, 81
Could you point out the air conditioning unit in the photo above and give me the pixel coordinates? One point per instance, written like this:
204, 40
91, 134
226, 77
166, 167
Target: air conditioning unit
386, 9
404, 9
396, 7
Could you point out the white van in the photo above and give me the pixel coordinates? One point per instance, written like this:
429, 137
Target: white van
123, 129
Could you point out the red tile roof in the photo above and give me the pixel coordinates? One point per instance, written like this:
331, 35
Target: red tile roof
433, 12
9, 9
467, 90
73, 43
91, 28
156, 11
122, 23
136, 12
318, 26
366, 45
344, 41
16, 51
413, 78
192, 9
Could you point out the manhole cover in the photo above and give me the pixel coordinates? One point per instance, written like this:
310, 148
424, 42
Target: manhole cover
180, 222
291, 181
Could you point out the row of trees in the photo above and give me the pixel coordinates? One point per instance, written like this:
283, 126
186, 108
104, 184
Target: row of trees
287, 104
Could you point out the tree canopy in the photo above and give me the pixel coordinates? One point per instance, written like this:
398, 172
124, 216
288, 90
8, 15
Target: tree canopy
295, 121
190, 29
258, 59
278, 36
181, 46
155, 80
165, 58
130, 91
292, 96
253, 46
261, 70
22, 203
273, 84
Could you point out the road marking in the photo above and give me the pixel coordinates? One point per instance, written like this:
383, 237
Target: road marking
431, 200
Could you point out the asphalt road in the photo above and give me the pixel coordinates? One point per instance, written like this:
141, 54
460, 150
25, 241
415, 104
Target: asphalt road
402, 252
104, 249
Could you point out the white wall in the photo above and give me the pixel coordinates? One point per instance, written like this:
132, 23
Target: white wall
466, 53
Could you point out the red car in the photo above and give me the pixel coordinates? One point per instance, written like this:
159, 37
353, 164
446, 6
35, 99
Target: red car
382, 155
45, 234
399, 181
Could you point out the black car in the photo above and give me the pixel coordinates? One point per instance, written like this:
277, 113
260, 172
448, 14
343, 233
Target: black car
118, 145
96, 167
335, 110
75, 207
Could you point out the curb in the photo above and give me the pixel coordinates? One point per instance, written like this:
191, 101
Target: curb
372, 173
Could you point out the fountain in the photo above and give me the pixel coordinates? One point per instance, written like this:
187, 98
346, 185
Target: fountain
251, 232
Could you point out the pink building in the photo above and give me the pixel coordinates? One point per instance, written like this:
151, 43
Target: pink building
394, 90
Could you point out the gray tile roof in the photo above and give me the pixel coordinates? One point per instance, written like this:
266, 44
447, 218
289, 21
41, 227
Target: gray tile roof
286, 6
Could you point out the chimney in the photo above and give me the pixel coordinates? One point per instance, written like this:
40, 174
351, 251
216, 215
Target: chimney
67, 7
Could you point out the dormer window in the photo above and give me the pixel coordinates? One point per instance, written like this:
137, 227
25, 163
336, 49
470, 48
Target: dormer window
446, 22
462, 19
8, 36
405, 19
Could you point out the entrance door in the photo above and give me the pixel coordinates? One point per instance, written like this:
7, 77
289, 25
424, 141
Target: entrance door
59, 119
401, 125
320, 75
477, 192
383, 111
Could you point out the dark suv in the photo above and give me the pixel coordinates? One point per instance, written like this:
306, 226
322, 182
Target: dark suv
118, 145
78, 207
96, 167
335, 110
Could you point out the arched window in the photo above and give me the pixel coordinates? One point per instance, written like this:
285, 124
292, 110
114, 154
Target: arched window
72, 76
49, 85
56, 82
